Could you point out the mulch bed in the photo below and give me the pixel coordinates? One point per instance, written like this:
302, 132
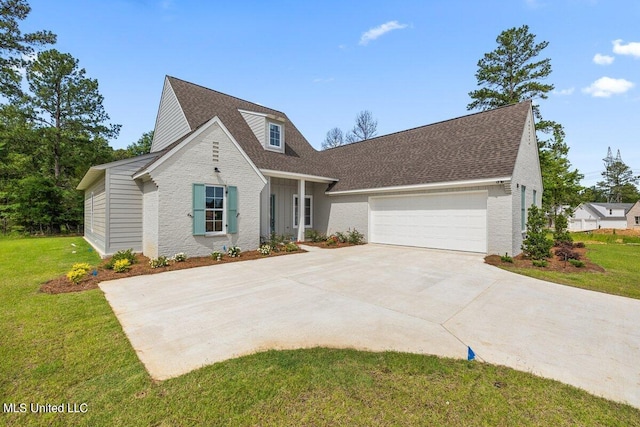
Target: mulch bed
554, 263
141, 267
325, 245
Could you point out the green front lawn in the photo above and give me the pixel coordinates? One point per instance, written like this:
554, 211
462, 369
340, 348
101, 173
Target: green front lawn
618, 255
70, 348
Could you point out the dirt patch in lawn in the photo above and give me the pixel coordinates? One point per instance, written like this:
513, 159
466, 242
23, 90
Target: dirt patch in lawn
616, 231
141, 267
555, 263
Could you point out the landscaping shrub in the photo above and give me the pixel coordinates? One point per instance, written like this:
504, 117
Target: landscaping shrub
291, 247
180, 257
576, 263
234, 251
265, 250
332, 240
342, 237
217, 255
540, 263
276, 242
122, 254
355, 237
566, 252
536, 245
121, 265
560, 233
578, 245
314, 236
161, 261
78, 272
506, 258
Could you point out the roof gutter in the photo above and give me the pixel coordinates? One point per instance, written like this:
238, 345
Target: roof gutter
503, 181
293, 175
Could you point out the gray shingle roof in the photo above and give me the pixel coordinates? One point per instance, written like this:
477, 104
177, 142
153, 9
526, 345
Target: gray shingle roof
477, 146
201, 104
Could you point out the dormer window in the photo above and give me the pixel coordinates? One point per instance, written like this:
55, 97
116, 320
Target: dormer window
275, 135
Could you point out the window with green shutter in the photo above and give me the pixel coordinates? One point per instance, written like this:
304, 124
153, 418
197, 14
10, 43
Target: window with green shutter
211, 207
232, 209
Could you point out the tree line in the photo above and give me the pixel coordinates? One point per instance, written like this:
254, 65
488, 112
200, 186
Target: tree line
53, 127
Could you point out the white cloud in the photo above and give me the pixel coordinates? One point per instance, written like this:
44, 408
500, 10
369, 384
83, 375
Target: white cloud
604, 87
321, 80
564, 92
631, 48
380, 30
603, 59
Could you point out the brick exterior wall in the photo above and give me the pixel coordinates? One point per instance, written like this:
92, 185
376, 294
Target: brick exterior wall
194, 163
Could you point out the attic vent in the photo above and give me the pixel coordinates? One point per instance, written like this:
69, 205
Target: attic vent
216, 151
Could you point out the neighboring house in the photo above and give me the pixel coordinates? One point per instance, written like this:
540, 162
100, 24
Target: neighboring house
592, 216
633, 216
224, 171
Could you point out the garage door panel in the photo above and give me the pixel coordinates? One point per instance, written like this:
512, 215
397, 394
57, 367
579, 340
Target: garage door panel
455, 221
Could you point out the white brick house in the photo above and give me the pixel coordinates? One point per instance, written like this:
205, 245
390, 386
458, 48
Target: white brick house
223, 171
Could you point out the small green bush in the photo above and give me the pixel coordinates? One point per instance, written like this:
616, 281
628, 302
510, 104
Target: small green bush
291, 247
342, 237
180, 257
314, 236
122, 254
540, 263
161, 261
355, 237
265, 249
121, 265
234, 251
576, 263
332, 240
506, 258
217, 255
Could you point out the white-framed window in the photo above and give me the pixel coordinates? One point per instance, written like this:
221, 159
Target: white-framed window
637, 220
308, 211
275, 135
523, 208
214, 209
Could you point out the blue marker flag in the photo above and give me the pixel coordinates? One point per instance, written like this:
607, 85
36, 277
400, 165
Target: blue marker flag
470, 354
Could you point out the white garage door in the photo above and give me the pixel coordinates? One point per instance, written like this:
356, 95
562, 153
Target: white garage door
455, 221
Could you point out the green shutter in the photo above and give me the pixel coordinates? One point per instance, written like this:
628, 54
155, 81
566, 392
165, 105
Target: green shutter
232, 209
198, 210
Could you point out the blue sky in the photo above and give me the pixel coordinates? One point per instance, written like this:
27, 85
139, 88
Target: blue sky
410, 63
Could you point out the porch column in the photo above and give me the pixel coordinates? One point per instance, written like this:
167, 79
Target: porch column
301, 203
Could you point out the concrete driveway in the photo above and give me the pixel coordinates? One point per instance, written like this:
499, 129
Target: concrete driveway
379, 298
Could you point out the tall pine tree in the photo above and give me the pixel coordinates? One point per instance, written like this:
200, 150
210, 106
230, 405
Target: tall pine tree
512, 73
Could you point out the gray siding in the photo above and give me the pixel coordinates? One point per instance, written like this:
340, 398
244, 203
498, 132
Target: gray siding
125, 207
95, 226
632, 214
171, 123
526, 172
284, 189
258, 124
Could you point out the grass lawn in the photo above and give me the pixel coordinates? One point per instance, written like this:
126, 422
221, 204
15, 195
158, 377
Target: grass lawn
70, 348
618, 255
